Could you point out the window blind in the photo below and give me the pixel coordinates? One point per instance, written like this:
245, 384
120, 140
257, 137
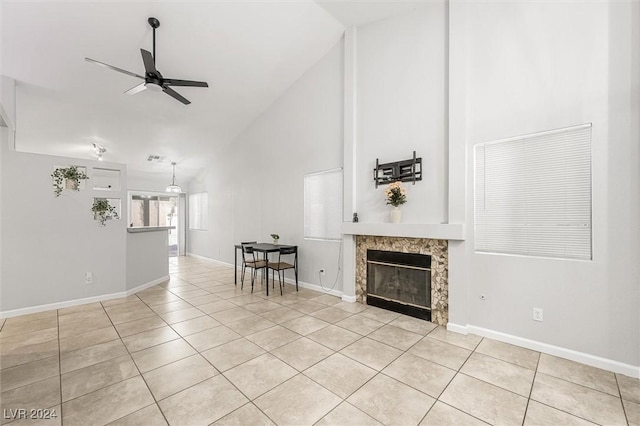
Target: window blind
198, 211
323, 205
533, 194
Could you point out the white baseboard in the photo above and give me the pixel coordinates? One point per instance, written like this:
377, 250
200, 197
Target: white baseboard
350, 299
147, 285
220, 262
76, 302
584, 358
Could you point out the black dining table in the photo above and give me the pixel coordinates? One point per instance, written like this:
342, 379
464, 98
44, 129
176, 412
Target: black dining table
265, 249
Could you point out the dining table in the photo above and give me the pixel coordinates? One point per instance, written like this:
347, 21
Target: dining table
265, 249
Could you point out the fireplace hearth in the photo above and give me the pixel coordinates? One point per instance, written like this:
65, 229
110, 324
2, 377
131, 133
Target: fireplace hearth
400, 282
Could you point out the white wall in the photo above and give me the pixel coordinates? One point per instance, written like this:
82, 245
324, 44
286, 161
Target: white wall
49, 243
256, 187
146, 258
523, 67
401, 108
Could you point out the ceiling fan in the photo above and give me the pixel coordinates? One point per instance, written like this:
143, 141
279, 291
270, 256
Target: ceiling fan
153, 80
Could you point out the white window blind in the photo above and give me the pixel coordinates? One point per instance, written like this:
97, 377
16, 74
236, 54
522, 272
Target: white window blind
198, 211
323, 205
533, 194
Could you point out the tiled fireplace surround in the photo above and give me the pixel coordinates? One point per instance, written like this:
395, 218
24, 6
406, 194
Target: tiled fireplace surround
437, 249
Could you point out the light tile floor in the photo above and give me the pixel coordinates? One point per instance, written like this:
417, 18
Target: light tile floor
199, 350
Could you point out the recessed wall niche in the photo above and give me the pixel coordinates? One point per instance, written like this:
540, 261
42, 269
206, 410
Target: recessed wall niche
106, 179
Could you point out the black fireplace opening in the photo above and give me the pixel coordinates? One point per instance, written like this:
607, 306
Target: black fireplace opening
400, 282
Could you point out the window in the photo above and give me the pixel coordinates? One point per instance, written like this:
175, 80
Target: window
323, 205
533, 194
148, 209
198, 211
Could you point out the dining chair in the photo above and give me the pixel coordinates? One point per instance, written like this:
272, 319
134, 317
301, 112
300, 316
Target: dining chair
243, 243
249, 260
290, 254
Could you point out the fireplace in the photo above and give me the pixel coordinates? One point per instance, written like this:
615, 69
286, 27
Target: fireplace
438, 295
400, 282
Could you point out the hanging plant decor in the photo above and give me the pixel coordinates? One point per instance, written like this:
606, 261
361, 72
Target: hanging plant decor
102, 210
69, 175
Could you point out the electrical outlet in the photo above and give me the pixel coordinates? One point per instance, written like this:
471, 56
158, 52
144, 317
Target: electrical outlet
537, 314
88, 278
322, 271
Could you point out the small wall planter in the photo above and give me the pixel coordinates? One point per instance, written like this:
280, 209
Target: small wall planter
68, 178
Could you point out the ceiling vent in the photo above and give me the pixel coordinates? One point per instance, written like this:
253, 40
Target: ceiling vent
154, 158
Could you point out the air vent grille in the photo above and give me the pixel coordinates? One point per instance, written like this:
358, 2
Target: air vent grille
155, 158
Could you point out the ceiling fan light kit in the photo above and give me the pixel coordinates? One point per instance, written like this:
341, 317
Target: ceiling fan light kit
153, 79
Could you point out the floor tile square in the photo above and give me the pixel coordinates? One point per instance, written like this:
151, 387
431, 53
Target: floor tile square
585, 375
396, 337
14, 354
246, 415
231, 315
213, 307
334, 337
259, 375
378, 314
97, 376
514, 354
440, 352
371, 353
330, 314
273, 337
42, 394
340, 374
540, 414
419, 373
138, 326
346, 414
232, 354
305, 325
442, 414
414, 325
581, 401
500, 373
176, 305
302, 353
468, 341
195, 325
391, 402
181, 315
90, 355
360, 324
146, 339
632, 411
165, 353
629, 388
250, 325
203, 403
212, 337
91, 338
147, 416
177, 376
484, 401
280, 315
107, 404
298, 401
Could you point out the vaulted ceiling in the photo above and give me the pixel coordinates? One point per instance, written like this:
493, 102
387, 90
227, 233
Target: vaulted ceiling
248, 51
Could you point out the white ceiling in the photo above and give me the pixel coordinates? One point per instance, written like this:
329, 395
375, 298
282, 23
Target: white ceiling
248, 51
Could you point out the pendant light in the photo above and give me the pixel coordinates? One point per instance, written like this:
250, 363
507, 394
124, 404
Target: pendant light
173, 187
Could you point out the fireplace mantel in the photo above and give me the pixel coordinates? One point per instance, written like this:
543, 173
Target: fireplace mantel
441, 231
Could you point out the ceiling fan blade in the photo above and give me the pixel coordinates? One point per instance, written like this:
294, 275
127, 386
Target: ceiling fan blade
186, 83
136, 89
149, 63
102, 64
169, 91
